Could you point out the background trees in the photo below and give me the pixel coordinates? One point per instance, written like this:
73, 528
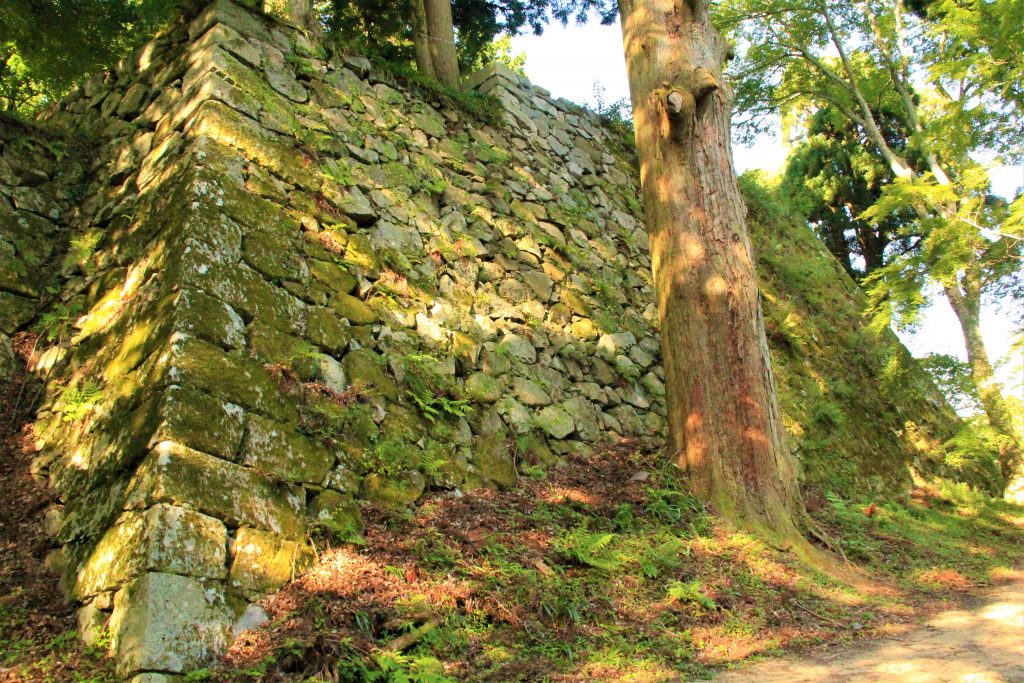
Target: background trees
947, 74
833, 177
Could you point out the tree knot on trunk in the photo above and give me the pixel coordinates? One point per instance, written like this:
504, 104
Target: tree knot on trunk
685, 97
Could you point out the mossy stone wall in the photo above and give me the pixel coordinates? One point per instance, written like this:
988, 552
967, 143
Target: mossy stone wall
295, 289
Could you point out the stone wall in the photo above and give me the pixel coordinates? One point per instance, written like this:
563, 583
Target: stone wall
295, 289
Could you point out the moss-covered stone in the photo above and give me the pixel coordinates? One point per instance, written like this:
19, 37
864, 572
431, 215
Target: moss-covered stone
201, 422
271, 345
279, 451
227, 376
493, 458
271, 255
227, 126
362, 256
15, 311
352, 309
337, 513
394, 492
209, 319
335, 277
232, 493
482, 388
555, 422
363, 368
326, 329
262, 561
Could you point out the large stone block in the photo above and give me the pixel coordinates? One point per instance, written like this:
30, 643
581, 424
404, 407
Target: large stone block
201, 422
263, 561
232, 493
162, 539
170, 623
230, 377
280, 451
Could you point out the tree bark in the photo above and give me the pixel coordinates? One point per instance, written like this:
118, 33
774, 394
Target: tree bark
299, 13
724, 423
421, 39
441, 35
966, 304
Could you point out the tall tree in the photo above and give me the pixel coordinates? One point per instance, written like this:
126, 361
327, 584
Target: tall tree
441, 40
421, 38
947, 72
724, 423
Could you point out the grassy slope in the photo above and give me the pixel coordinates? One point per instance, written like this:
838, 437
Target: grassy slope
583, 574
856, 406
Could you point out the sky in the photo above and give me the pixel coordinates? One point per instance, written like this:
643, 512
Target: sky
570, 61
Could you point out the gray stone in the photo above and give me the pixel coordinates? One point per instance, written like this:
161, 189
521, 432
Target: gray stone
169, 623
541, 285
132, 100
555, 422
585, 417
517, 347
286, 85
612, 344
330, 373
517, 416
529, 392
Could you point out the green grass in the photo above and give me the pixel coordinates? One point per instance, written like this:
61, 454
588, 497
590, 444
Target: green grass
581, 575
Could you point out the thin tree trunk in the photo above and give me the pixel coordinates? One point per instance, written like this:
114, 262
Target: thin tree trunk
441, 34
421, 39
966, 304
724, 423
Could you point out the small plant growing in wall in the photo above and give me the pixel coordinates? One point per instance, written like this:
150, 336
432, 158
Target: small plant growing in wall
430, 390
338, 170
76, 402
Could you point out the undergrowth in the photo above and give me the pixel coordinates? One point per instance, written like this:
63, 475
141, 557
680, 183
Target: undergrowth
583, 574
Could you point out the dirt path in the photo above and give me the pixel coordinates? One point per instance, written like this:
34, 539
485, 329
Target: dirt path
980, 642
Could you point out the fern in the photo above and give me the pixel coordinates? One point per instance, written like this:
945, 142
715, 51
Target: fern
76, 403
671, 506
56, 323
665, 555
689, 591
393, 667
582, 546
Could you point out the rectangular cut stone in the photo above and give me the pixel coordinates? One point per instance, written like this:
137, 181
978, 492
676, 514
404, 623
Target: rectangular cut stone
227, 376
170, 623
209, 319
264, 562
162, 539
238, 285
226, 12
201, 422
281, 451
231, 40
232, 493
224, 124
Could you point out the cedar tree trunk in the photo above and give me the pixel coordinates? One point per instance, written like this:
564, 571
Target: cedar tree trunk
723, 416
441, 34
421, 39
